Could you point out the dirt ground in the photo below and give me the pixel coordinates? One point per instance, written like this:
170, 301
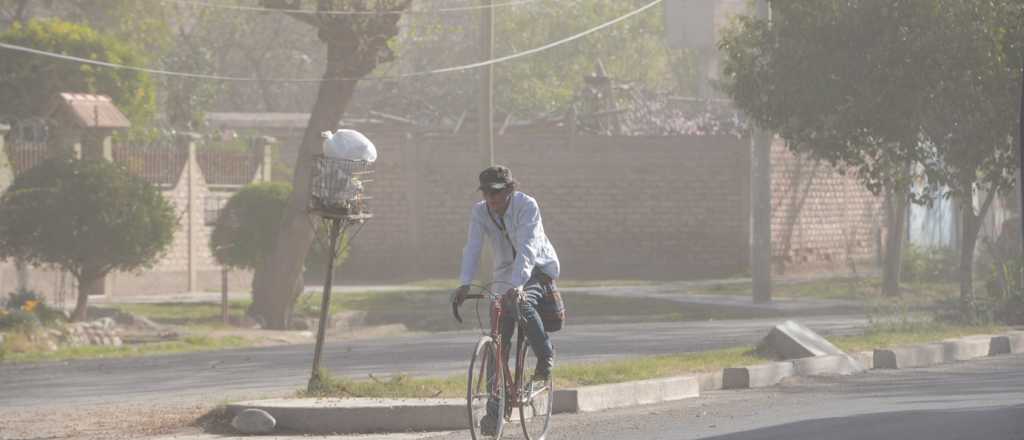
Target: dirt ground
114, 422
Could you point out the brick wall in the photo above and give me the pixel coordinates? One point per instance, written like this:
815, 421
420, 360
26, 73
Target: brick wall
615, 207
821, 220
639, 207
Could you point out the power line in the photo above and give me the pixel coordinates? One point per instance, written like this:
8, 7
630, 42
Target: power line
318, 80
207, 4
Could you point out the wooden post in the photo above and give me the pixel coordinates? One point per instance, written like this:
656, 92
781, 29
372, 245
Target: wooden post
325, 304
224, 296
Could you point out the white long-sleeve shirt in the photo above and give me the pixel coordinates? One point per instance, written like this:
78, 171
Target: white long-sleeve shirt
525, 247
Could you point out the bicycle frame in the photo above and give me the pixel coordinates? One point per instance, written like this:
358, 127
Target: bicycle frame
512, 382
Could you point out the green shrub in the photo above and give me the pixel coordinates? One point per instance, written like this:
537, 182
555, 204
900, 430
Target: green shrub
31, 302
20, 321
926, 264
1005, 299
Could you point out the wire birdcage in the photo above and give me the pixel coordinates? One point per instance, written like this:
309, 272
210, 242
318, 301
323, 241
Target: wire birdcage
338, 188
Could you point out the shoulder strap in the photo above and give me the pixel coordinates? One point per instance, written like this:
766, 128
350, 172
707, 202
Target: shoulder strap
501, 227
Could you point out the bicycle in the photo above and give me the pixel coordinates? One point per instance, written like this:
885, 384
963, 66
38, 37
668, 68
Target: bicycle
511, 389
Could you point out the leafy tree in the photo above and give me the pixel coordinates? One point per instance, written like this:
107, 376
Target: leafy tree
355, 46
971, 119
87, 217
884, 88
632, 51
842, 81
28, 82
244, 234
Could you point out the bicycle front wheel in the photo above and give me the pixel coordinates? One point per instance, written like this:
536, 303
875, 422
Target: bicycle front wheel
485, 383
536, 398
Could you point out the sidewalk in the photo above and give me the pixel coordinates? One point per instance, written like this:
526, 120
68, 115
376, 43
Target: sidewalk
214, 297
678, 291
673, 291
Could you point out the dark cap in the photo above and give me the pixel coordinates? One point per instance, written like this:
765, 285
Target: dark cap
496, 178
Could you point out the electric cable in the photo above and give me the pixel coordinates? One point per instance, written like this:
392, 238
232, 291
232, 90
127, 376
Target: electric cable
207, 4
319, 80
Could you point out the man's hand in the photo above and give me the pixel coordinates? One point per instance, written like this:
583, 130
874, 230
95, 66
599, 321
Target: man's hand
459, 295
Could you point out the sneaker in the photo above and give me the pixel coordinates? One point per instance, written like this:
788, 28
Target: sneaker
541, 376
489, 425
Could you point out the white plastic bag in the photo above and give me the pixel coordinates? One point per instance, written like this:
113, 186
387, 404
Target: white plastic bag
349, 145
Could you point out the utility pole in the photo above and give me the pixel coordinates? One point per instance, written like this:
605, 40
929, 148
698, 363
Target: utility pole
760, 202
486, 114
486, 110
1020, 165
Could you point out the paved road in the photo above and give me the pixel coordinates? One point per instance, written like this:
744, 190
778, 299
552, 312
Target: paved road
980, 399
259, 372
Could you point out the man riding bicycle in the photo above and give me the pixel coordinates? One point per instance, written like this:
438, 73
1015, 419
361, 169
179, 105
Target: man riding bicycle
524, 260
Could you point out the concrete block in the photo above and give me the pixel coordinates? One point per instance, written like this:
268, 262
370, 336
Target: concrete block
909, 357
617, 395
362, 415
866, 358
710, 381
791, 340
831, 365
756, 376
966, 348
1006, 344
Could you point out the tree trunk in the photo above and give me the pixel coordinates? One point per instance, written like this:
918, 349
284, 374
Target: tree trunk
895, 218
275, 284
91, 282
968, 303
971, 227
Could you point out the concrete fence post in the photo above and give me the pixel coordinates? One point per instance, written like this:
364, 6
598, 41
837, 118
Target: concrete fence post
265, 150
187, 142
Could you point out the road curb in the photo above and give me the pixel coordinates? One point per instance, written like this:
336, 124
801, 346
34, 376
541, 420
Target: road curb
909, 357
361, 415
1009, 343
829, 365
617, 395
318, 416
966, 348
756, 376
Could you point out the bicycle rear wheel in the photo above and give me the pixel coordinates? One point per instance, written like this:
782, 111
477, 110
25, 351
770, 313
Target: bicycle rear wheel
484, 382
536, 399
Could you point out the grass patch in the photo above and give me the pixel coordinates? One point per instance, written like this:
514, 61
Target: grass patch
393, 387
846, 288
570, 375
908, 333
187, 344
450, 284
186, 314
597, 373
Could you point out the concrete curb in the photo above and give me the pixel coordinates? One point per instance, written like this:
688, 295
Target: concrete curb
1007, 344
909, 357
967, 348
830, 365
710, 381
318, 416
617, 395
352, 416
756, 376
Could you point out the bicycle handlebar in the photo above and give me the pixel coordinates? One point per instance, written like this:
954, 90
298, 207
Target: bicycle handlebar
455, 306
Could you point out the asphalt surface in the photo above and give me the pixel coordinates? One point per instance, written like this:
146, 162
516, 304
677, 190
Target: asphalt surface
271, 371
979, 399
